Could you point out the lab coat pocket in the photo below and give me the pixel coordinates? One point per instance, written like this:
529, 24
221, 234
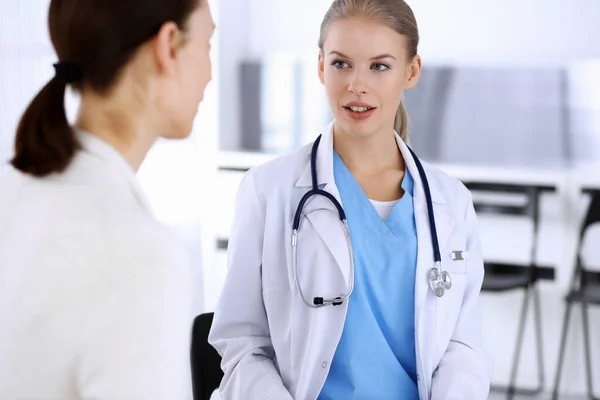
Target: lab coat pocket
449, 305
278, 304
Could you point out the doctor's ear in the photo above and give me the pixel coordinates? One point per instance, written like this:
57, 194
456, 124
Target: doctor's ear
165, 47
414, 72
321, 64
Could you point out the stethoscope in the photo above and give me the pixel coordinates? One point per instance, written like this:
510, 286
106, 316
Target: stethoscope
439, 281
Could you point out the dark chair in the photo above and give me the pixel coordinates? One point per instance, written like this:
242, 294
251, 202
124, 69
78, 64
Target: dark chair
502, 277
205, 361
584, 290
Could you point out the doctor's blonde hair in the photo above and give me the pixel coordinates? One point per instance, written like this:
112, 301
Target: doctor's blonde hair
397, 15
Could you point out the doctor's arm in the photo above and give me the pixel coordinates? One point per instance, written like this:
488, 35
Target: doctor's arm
240, 330
464, 371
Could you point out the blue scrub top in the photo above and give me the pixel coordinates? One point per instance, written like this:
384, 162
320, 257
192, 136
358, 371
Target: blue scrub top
376, 357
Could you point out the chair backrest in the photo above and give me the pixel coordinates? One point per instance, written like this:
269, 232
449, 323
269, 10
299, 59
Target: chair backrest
205, 361
593, 213
587, 276
529, 208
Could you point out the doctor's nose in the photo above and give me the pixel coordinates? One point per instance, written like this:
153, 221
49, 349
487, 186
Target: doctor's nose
357, 85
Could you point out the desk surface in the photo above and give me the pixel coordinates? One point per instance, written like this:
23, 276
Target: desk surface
583, 175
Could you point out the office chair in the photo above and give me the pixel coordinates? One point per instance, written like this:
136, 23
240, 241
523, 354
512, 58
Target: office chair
501, 277
585, 289
205, 361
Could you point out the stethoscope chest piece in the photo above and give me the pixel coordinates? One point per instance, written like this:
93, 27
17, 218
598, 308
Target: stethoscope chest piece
439, 280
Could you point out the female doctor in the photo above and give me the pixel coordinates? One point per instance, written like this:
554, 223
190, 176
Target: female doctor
355, 269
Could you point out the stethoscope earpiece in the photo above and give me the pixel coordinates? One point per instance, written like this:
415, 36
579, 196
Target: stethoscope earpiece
439, 280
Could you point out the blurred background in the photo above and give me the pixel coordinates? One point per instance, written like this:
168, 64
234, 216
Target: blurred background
509, 102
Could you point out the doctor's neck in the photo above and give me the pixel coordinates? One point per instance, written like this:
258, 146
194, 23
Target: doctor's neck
368, 154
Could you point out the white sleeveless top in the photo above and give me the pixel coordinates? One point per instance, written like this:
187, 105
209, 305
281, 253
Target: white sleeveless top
384, 208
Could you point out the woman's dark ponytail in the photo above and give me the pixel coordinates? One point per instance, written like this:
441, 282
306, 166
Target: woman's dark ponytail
93, 40
45, 142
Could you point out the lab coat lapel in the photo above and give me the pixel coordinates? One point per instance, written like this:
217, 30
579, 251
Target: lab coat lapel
322, 215
319, 210
444, 225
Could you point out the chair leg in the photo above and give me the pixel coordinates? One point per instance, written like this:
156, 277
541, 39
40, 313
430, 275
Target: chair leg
587, 350
511, 389
561, 353
517, 355
540, 347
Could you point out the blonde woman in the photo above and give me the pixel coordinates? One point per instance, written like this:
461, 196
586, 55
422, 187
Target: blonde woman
354, 268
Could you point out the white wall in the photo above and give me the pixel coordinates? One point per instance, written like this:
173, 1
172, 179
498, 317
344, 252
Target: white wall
459, 31
254, 29
292, 27
233, 43
26, 59
508, 31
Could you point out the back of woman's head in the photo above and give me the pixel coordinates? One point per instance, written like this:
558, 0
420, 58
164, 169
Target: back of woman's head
94, 40
396, 15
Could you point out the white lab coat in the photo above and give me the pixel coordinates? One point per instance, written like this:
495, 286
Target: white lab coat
95, 294
275, 347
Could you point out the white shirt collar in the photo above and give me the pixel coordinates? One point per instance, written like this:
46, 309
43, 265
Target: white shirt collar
99, 148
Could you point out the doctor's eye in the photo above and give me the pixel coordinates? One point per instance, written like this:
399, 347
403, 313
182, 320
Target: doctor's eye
339, 64
380, 67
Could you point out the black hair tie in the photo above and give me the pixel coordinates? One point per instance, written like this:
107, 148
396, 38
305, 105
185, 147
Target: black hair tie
68, 71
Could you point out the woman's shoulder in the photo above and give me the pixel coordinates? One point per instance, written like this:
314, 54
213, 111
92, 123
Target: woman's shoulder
135, 234
124, 231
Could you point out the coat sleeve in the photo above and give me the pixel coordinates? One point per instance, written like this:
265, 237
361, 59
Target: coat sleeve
464, 371
240, 331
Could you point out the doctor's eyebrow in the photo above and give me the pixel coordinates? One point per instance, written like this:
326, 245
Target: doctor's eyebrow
379, 57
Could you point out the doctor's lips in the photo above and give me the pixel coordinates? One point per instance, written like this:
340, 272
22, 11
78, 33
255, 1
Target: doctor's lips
358, 106
358, 110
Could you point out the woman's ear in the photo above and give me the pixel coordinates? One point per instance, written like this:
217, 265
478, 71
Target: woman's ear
165, 47
414, 72
321, 67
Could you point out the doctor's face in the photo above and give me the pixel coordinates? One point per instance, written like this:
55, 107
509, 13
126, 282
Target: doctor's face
365, 68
